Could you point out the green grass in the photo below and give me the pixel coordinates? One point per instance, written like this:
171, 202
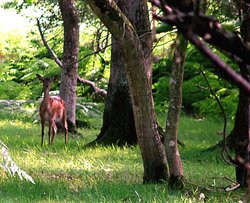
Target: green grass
110, 174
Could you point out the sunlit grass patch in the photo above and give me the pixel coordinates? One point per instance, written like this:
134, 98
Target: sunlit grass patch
74, 173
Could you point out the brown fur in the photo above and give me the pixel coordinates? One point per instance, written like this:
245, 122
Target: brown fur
52, 110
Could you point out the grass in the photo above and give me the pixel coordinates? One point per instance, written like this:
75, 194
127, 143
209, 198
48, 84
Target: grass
110, 174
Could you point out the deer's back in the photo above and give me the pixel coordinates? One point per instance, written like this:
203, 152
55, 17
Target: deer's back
53, 110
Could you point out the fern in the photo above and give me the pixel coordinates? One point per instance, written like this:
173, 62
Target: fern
9, 166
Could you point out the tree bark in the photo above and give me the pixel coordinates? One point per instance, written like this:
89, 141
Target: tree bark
70, 57
241, 132
118, 119
175, 94
241, 135
138, 62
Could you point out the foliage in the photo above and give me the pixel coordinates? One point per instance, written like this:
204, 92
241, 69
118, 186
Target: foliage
197, 97
92, 66
23, 57
223, 10
161, 75
21, 60
87, 112
13, 90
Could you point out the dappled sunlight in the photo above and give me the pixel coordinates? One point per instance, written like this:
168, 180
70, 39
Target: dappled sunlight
15, 124
83, 161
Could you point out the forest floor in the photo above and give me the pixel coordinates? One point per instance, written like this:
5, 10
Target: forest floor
73, 173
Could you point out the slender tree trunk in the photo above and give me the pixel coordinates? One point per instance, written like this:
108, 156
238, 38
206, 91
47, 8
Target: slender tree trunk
138, 64
175, 93
70, 57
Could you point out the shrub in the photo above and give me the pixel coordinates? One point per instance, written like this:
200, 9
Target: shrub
11, 90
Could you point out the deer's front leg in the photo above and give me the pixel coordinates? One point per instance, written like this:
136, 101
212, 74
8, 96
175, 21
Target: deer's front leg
43, 125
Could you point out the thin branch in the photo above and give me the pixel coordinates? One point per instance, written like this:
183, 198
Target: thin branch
56, 59
93, 53
210, 30
97, 90
224, 153
206, 27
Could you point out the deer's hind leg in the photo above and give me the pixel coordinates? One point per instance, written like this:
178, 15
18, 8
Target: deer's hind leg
54, 130
65, 126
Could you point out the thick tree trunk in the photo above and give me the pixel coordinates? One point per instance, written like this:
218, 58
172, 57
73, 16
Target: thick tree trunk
70, 57
175, 94
138, 62
118, 119
241, 134
241, 131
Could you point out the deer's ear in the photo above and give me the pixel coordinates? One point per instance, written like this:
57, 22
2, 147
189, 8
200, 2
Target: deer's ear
39, 77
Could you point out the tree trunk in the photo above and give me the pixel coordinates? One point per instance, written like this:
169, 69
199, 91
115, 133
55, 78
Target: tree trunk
175, 93
241, 136
70, 57
137, 64
241, 130
118, 119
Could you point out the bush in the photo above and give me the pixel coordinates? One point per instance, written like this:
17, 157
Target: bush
197, 97
11, 90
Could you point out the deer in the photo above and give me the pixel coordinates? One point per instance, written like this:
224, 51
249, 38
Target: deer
52, 110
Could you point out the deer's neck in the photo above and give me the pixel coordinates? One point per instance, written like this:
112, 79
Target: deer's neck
46, 97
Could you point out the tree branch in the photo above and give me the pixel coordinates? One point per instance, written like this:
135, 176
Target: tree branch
209, 29
194, 25
233, 76
56, 59
97, 90
116, 22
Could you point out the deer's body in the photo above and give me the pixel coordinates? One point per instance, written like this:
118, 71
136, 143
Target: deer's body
52, 110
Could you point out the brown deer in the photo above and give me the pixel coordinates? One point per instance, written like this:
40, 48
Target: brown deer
52, 110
